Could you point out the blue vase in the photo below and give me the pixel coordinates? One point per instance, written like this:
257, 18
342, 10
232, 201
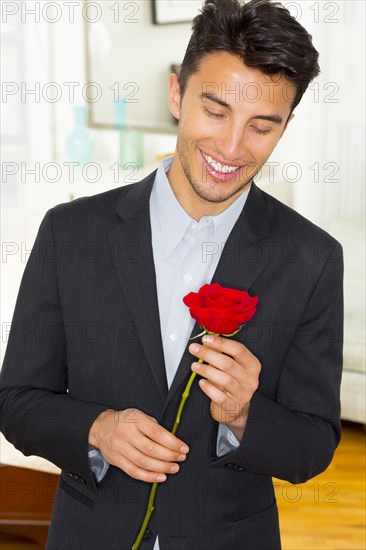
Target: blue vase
121, 112
80, 144
131, 148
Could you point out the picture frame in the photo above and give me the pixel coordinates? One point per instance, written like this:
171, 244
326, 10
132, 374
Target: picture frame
167, 12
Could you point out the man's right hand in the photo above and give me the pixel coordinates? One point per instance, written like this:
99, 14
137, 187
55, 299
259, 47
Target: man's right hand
137, 444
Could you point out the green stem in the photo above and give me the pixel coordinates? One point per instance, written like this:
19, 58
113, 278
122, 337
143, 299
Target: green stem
149, 511
150, 505
185, 395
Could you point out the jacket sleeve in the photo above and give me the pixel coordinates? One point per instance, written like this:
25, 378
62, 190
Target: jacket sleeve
36, 413
294, 436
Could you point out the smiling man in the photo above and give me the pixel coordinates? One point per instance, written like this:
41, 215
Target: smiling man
267, 400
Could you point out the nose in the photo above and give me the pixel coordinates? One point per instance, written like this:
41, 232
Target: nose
231, 144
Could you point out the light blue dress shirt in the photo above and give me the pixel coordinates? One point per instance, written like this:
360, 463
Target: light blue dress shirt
186, 254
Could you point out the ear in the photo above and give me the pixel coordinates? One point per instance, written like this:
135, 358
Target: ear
287, 123
174, 95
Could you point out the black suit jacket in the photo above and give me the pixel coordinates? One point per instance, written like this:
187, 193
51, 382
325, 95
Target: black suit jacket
86, 337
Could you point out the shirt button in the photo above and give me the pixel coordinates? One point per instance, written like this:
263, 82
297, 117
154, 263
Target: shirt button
174, 335
193, 225
187, 277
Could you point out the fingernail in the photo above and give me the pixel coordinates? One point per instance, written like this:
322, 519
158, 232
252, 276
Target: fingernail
184, 449
182, 457
208, 338
174, 468
194, 347
161, 477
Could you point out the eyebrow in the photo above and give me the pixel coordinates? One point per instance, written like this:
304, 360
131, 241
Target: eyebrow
276, 119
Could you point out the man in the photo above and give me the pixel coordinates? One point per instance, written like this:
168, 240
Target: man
106, 370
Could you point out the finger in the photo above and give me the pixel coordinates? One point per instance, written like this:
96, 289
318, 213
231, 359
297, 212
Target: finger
139, 431
157, 451
218, 396
148, 463
160, 435
215, 358
228, 407
235, 349
154, 450
223, 380
139, 473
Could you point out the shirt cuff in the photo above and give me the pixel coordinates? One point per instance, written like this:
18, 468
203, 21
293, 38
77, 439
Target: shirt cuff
98, 464
226, 440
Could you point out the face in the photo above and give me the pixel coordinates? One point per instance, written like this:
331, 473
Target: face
231, 117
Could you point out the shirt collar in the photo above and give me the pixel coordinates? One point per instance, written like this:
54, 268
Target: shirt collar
174, 220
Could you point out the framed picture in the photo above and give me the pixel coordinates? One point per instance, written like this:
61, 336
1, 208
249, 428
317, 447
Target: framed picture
175, 11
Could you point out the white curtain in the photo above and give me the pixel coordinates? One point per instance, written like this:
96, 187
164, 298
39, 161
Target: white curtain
332, 146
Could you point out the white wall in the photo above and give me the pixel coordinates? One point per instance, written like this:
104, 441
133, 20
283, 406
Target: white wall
320, 155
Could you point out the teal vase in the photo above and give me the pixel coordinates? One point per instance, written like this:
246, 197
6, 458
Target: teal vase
131, 148
80, 144
121, 112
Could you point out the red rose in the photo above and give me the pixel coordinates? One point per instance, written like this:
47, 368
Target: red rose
220, 310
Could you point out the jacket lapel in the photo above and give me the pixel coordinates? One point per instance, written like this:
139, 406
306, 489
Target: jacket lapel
242, 260
132, 254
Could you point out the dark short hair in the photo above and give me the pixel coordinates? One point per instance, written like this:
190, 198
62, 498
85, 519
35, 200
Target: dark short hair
263, 34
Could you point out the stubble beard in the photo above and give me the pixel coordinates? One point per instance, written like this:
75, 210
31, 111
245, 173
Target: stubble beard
210, 195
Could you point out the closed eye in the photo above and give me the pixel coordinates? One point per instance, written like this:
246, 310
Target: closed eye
220, 116
259, 131
212, 114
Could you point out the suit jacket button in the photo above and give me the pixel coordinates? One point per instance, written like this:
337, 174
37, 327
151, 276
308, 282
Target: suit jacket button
230, 465
147, 535
80, 480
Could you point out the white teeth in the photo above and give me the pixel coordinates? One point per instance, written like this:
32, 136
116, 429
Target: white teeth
218, 166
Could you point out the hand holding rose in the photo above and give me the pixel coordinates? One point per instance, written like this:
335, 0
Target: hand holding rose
231, 376
230, 379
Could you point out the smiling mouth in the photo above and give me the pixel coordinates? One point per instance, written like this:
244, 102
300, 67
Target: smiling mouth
219, 171
218, 166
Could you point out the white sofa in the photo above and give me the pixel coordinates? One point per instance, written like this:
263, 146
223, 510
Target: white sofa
351, 234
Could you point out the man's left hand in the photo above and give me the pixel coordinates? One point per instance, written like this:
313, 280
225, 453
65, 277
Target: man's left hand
230, 379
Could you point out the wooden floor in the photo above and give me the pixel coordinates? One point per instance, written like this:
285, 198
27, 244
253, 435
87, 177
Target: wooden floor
327, 513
